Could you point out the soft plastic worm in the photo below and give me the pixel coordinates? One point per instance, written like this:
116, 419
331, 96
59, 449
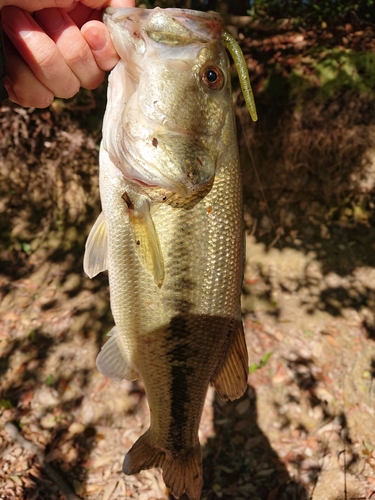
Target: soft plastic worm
235, 51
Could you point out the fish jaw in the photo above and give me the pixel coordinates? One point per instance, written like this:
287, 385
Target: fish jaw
170, 26
162, 128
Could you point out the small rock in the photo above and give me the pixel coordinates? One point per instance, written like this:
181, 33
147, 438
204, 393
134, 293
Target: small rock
76, 428
48, 421
46, 396
78, 487
266, 224
242, 407
71, 456
17, 452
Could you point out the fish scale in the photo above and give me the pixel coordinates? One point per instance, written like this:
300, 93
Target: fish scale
174, 249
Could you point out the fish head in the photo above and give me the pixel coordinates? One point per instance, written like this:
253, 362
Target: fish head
168, 99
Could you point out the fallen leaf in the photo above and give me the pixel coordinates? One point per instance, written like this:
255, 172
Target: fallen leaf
17, 480
109, 489
332, 341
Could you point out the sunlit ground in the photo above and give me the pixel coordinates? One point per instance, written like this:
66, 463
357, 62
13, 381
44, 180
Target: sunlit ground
305, 427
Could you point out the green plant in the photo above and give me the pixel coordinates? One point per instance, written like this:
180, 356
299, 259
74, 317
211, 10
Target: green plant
262, 363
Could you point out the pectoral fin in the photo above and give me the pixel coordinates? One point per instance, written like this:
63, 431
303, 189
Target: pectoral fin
95, 259
112, 363
146, 240
231, 381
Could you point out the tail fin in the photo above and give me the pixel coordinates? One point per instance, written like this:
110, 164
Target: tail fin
182, 473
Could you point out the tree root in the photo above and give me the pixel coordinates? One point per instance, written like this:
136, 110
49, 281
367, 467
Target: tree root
15, 435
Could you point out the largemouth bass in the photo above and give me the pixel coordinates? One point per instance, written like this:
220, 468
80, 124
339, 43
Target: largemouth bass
171, 232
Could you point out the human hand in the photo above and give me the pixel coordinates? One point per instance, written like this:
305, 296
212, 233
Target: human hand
54, 47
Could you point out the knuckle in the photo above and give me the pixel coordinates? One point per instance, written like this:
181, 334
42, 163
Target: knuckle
47, 60
70, 90
35, 100
78, 53
93, 83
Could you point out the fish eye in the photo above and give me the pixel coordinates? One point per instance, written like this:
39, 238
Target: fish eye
213, 77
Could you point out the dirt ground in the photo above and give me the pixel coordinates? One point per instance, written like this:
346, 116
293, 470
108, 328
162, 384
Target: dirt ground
305, 428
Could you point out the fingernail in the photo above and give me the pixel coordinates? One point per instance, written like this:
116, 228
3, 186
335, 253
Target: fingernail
96, 39
50, 19
17, 21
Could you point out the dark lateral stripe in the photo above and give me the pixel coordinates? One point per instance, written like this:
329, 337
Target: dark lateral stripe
179, 400
178, 356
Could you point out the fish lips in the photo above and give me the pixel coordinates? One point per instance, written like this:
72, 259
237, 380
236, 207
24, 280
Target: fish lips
165, 26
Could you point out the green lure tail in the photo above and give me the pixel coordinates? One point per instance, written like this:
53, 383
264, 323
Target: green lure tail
235, 51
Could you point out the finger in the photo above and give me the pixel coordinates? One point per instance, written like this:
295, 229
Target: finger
80, 14
101, 4
72, 46
97, 37
22, 85
33, 5
39, 52
121, 3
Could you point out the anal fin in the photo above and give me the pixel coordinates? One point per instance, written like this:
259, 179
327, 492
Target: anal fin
182, 472
231, 381
112, 363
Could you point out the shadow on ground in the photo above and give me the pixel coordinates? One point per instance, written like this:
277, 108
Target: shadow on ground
239, 462
316, 169
309, 183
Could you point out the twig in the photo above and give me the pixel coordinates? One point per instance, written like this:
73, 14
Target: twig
360, 20
15, 435
254, 228
279, 233
256, 24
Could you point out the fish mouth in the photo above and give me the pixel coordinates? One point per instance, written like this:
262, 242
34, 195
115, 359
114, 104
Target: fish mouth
167, 26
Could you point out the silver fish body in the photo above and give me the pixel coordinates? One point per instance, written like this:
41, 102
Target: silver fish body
171, 232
